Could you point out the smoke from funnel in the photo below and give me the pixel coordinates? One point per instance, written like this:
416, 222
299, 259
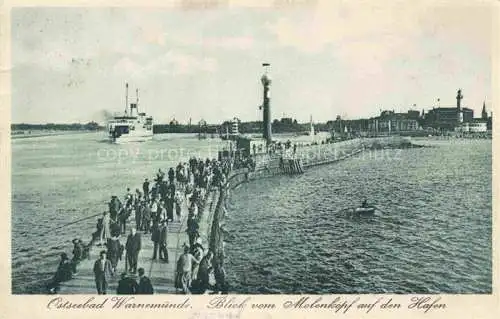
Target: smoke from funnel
102, 117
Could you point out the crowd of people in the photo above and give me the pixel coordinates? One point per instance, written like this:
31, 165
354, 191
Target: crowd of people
158, 204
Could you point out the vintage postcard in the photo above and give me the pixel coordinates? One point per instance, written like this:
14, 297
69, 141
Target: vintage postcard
249, 159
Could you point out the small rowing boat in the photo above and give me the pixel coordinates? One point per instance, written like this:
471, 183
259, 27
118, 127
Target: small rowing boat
365, 210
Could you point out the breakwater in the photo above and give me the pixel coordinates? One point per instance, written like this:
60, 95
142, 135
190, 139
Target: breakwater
213, 212
308, 156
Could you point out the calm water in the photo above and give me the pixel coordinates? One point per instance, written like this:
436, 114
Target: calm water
59, 179
288, 234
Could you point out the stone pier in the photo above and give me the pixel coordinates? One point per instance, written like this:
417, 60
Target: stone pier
162, 274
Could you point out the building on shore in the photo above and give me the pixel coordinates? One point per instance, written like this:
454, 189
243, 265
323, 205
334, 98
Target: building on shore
478, 125
391, 122
449, 118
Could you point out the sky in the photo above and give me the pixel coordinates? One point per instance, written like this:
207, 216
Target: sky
328, 58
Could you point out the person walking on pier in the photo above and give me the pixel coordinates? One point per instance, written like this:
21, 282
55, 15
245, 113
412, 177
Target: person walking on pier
145, 189
183, 271
114, 207
163, 190
171, 175
128, 197
198, 252
154, 209
123, 217
161, 212
139, 209
105, 230
138, 196
77, 254
160, 175
155, 238
116, 229
169, 205
114, 251
145, 286
220, 278
192, 229
195, 198
133, 247
178, 205
146, 218
204, 271
103, 272
163, 241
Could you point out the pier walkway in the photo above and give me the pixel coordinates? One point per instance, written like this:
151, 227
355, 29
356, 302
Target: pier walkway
162, 274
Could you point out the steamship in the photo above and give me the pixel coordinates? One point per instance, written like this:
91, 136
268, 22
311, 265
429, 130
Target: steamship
132, 125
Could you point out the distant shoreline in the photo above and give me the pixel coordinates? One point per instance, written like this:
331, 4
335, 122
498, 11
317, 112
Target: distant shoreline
42, 133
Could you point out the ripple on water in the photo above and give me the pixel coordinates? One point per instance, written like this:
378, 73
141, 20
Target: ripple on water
417, 243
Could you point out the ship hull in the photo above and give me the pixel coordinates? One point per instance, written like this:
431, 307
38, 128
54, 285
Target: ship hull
131, 138
124, 134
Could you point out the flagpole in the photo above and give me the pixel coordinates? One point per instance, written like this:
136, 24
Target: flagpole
126, 98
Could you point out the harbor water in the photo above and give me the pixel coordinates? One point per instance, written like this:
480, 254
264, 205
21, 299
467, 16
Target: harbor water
284, 234
432, 234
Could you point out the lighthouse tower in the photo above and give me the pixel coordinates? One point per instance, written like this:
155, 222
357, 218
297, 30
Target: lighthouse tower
266, 104
460, 115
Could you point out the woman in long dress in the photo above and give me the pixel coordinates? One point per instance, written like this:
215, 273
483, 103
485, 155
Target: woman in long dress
105, 232
178, 203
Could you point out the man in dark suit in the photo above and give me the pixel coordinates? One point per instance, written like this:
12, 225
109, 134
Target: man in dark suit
139, 208
155, 238
133, 247
103, 272
145, 189
146, 218
145, 287
163, 241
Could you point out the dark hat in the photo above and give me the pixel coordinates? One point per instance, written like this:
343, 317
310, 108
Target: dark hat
74, 241
141, 271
